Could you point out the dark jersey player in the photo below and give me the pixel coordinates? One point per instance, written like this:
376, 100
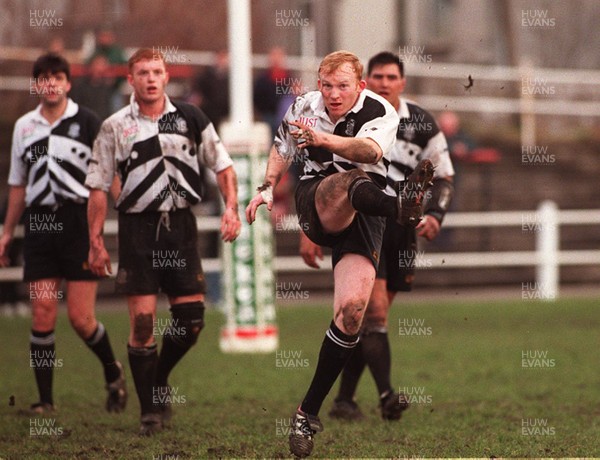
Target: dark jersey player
417, 137
343, 134
157, 148
51, 150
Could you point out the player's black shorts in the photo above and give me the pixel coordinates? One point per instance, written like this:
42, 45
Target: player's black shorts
169, 263
363, 236
56, 243
397, 261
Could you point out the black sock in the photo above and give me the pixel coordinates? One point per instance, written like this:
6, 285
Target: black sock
142, 362
100, 345
335, 351
351, 374
170, 354
369, 199
376, 351
42, 357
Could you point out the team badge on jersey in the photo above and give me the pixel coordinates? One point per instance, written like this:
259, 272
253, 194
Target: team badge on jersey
74, 130
350, 127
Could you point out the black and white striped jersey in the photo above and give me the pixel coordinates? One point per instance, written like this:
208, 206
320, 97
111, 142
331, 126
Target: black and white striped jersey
418, 137
372, 116
158, 160
51, 160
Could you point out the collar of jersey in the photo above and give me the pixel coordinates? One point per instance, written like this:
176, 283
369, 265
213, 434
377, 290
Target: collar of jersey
135, 108
70, 111
403, 110
318, 107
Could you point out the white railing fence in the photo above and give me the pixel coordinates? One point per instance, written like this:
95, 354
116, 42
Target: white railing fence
530, 103
547, 256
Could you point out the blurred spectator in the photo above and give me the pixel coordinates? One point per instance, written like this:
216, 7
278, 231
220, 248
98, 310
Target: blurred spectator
269, 86
463, 149
96, 89
56, 45
210, 89
460, 144
106, 45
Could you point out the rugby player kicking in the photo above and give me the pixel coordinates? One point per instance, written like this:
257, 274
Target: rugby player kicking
343, 133
418, 137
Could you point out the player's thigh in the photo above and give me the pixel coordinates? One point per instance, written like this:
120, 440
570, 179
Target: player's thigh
44, 295
332, 203
182, 275
353, 278
138, 274
72, 244
40, 255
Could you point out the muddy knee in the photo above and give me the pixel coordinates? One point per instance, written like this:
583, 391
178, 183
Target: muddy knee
142, 328
352, 314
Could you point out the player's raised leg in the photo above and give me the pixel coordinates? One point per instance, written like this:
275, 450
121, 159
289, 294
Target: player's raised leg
81, 296
143, 359
44, 301
341, 195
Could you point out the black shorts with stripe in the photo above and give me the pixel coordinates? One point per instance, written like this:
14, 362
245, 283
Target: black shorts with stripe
397, 261
158, 253
56, 243
363, 236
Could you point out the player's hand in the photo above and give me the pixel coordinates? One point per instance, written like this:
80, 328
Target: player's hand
310, 251
309, 136
428, 228
99, 261
230, 225
263, 197
5, 241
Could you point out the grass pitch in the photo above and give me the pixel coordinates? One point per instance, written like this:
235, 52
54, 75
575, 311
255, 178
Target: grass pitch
502, 379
